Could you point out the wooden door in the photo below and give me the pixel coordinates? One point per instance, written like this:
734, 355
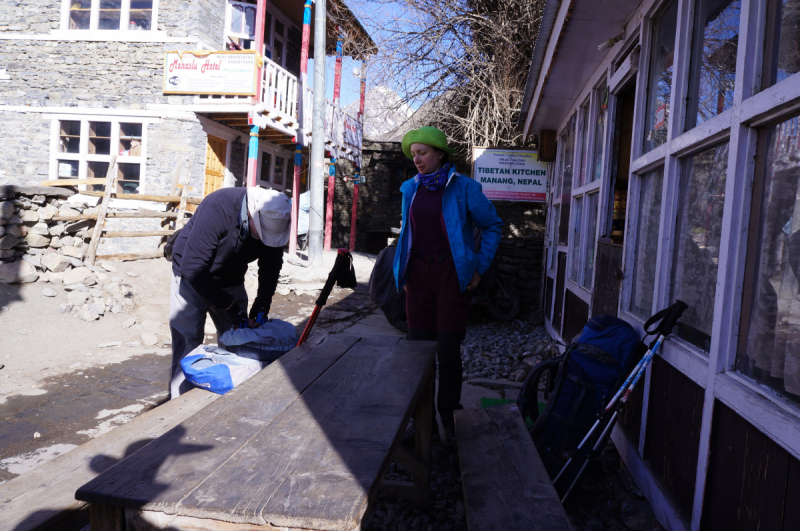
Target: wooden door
215, 165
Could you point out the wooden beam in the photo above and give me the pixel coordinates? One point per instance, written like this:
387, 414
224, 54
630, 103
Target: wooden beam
124, 257
101, 215
73, 182
154, 198
135, 233
137, 215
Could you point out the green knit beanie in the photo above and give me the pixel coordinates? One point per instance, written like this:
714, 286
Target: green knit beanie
430, 136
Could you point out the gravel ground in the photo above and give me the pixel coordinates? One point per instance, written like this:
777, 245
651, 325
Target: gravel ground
606, 498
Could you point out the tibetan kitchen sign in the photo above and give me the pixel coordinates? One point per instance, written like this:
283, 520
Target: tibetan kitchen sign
213, 73
510, 175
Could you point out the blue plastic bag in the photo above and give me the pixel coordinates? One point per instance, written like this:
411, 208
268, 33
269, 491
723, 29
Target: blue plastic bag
266, 343
217, 370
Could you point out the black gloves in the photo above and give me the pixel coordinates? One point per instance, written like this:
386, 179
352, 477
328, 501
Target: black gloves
237, 316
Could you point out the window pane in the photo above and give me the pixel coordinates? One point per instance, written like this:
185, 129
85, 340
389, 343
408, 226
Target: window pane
67, 169
128, 179
80, 14
278, 48
237, 18
110, 11
266, 165
585, 146
644, 266
130, 140
591, 235
99, 138
69, 136
781, 42
599, 132
576, 240
659, 85
250, 22
566, 180
771, 352
553, 233
96, 170
279, 166
697, 237
713, 71
141, 15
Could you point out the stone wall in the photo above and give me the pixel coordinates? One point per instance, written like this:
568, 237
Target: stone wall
238, 168
24, 157
29, 16
169, 141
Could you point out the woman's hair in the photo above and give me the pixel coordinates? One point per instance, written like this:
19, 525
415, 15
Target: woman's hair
446, 157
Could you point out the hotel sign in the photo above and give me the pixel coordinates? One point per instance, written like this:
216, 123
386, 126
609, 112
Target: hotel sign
510, 175
212, 73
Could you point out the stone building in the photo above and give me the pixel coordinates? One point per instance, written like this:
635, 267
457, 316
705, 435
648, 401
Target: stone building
83, 80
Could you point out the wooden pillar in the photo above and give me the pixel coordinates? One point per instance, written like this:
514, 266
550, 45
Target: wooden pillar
261, 15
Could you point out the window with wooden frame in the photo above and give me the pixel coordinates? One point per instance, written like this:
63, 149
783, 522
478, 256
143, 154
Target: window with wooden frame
82, 148
276, 166
712, 71
659, 84
600, 111
648, 222
575, 240
567, 171
769, 339
585, 170
592, 202
554, 221
110, 15
698, 235
781, 57
241, 24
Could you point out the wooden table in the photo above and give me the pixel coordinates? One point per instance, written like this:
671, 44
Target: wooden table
303, 444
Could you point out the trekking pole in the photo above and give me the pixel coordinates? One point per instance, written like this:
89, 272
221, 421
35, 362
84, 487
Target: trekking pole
668, 317
343, 274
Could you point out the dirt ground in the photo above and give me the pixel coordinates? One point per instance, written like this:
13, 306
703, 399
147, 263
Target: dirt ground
64, 380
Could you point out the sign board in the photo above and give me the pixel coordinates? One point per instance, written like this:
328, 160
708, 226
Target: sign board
510, 175
212, 73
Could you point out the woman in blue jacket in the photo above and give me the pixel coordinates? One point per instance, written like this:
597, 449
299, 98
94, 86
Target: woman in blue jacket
435, 260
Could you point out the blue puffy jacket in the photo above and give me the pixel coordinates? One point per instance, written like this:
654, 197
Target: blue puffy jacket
464, 207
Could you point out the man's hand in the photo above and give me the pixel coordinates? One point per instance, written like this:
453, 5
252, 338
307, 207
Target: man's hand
476, 278
237, 316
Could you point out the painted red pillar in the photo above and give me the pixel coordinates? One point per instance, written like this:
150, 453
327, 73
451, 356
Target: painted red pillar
298, 152
261, 17
357, 178
337, 86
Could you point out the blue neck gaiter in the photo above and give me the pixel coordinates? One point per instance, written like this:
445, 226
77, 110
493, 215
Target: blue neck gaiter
434, 181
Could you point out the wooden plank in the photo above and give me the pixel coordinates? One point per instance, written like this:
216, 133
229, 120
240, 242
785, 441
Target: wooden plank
151, 198
107, 518
135, 233
724, 482
791, 504
320, 461
127, 257
136, 215
180, 221
159, 477
46, 495
91, 249
423, 420
505, 483
150, 521
73, 182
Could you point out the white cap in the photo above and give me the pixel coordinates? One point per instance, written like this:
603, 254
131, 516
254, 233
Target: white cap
272, 213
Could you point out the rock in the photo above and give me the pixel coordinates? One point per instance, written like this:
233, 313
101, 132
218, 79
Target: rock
37, 240
129, 323
70, 250
57, 230
17, 273
40, 228
65, 308
77, 297
67, 211
76, 287
132, 274
133, 344
66, 240
115, 307
14, 230
7, 253
520, 375
74, 262
98, 307
6, 209
88, 315
151, 325
8, 241
29, 216
149, 339
37, 435
108, 267
109, 344
55, 263
47, 213
55, 242
55, 278
35, 261
47, 292
2, 230
79, 275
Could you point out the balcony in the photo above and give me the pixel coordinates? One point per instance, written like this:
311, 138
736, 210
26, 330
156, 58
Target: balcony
281, 109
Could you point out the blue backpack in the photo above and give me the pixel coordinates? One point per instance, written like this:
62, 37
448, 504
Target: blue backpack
588, 374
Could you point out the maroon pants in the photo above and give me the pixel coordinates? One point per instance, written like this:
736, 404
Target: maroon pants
437, 310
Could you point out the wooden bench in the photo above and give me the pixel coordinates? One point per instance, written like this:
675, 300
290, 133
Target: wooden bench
303, 444
44, 498
506, 486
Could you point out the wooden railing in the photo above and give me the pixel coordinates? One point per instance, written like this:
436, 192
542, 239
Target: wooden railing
279, 93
